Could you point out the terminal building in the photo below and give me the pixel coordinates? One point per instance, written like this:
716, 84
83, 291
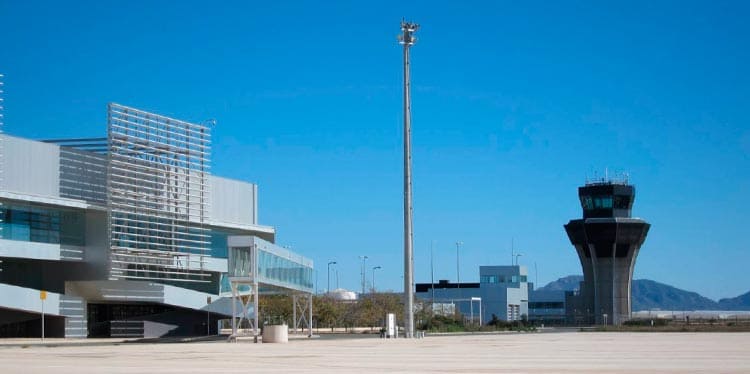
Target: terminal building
129, 235
502, 291
547, 307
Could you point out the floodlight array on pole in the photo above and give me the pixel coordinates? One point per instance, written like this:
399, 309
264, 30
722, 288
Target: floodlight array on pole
373, 276
458, 272
407, 39
432, 275
328, 289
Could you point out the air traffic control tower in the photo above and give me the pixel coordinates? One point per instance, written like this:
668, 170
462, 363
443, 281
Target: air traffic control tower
607, 240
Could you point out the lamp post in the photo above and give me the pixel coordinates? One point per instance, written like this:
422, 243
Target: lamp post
329, 275
364, 260
407, 39
373, 276
458, 273
432, 275
473, 299
517, 255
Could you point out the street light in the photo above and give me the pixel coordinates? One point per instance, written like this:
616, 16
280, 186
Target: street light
432, 274
373, 276
458, 273
329, 275
517, 255
473, 299
364, 260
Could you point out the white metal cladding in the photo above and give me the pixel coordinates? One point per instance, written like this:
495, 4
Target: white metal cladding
2, 108
233, 201
157, 196
31, 167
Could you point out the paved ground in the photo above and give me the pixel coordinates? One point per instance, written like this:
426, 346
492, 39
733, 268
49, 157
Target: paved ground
503, 353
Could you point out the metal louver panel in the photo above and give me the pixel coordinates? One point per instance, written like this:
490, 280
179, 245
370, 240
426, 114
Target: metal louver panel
157, 196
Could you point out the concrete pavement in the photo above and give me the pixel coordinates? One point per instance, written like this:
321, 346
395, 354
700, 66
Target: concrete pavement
573, 352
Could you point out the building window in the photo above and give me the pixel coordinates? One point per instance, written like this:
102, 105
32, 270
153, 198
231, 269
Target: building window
488, 279
621, 202
283, 270
587, 203
603, 202
219, 244
596, 202
42, 225
546, 305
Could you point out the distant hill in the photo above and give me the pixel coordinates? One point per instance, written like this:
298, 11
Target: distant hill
741, 302
569, 283
648, 294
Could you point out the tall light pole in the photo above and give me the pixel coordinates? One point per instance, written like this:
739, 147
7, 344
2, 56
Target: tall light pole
407, 39
432, 275
373, 276
329, 275
364, 260
517, 256
458, 273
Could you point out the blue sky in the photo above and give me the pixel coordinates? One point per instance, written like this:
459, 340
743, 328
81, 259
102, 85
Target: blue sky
514, 106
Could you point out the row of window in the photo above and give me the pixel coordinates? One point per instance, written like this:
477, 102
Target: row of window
42, 225
502, 278
604, 202
546, 305
283, 270
270, 266
56, 226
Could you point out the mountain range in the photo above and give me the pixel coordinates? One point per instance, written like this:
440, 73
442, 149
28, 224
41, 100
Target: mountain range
648, 294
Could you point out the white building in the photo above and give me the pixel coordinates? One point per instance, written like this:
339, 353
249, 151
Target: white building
128, 234
503, 292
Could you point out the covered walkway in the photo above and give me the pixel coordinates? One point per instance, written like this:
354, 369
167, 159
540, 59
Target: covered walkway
259, 267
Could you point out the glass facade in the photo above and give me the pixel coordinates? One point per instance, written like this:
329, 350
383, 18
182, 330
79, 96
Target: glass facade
42, 225
605, 202
276, 267
219, 243
273, 267
596, 202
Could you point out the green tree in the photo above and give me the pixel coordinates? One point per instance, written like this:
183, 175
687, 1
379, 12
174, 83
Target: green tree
327, 311
275, 309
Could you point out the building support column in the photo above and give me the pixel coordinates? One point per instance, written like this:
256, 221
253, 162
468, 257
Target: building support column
309, 315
